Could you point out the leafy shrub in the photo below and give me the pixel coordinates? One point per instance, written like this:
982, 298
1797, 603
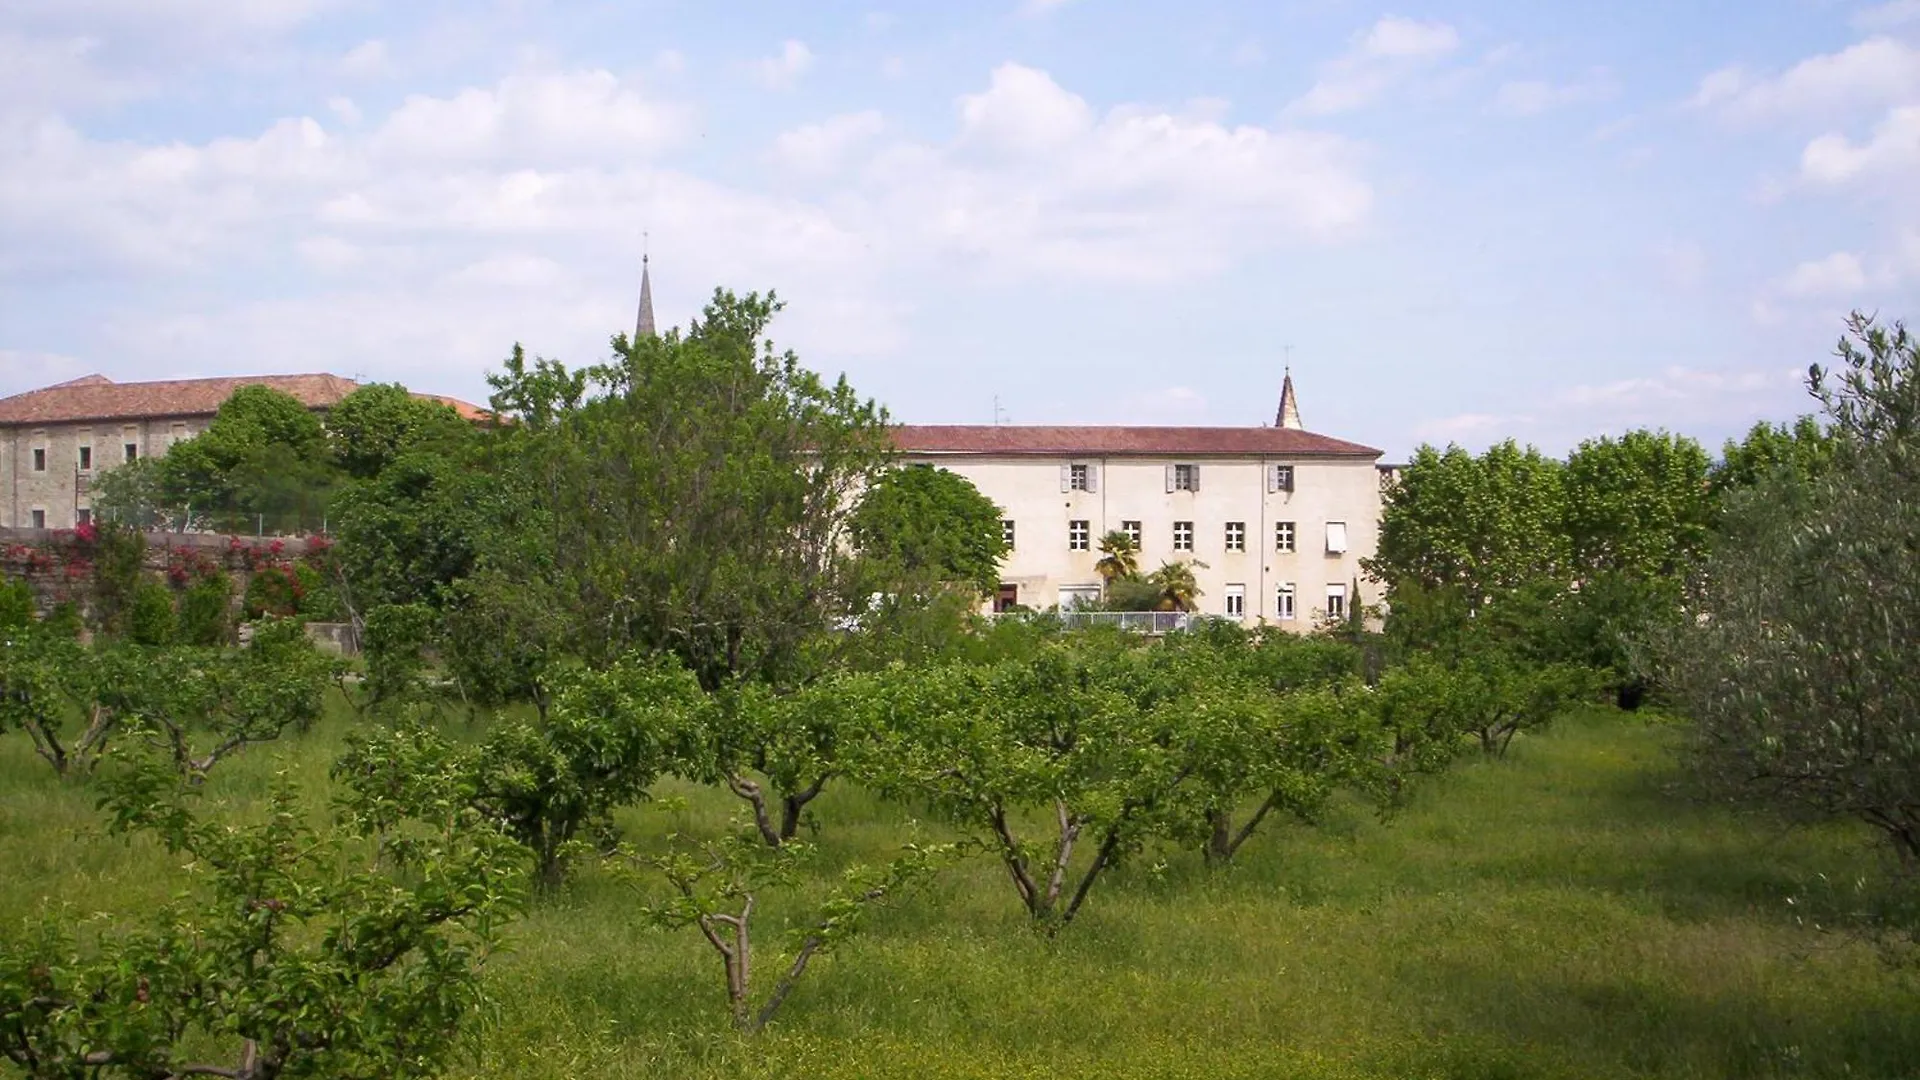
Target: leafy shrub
205, 611
273, 591
16, 604
150, 616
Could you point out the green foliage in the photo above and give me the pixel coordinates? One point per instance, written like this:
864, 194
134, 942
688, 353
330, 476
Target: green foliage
1638, 505
779, 750
199, 705
419, 525
394, 642
288, 955
931, 524
16, 604
265, 455
699, 500
1481, 524
370, 428
206, 616
1119, 557
131, 494
1174, 585
715, 885
119, 555
150, 617
501, 636
64, 621
608, 735
1802, 671
1803, 449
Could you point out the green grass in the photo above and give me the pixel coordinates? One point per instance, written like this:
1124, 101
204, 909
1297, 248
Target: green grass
1558, 914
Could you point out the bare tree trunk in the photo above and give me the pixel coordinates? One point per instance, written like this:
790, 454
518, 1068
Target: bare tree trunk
756, 797
795, 802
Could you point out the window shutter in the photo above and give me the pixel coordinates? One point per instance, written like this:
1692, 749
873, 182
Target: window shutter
1196, 479
1273, 478
1066, 478
1093, 479
1169, 479
1336, 538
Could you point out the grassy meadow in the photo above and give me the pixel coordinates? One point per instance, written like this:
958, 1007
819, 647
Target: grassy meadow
1562, 913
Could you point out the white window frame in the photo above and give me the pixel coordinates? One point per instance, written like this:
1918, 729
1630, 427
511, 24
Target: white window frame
1336, 538
1070, 596
1285, 537
1336, 601
1079, 476
1006, 533
1236, 538
1079, 535
1234, 601
1184, 476
1285, 605
1183, 536
1132, 529
1280, 478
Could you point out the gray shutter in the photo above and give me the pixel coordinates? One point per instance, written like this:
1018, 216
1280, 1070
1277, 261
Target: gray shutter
1196, 479
1093, 478
1169, 479
1273, 478
1066, 478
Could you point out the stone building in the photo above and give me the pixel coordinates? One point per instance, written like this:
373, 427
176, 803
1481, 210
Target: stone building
56, 441
1279, 516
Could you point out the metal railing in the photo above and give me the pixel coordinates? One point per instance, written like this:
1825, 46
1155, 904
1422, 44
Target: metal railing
1142, 622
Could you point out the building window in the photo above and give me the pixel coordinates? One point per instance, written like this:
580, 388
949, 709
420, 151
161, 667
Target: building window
1336, 538
1183, 478
1132, 529
1280, 478
1077, 535
1236, 601
1336, 601
1183, 536
84, 516
1006, 533
1283, 605
39, 519
1079, 478
39, 459
1236, 536
1079, 596
130, 451
1283, 536
176, 433
86, 459
1007, 598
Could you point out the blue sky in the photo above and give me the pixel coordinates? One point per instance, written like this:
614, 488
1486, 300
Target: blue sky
1461, 221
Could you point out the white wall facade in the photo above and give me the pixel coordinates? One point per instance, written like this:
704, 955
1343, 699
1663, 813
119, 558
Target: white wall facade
1339, 491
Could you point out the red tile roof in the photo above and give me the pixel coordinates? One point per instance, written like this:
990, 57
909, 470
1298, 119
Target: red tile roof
1020, 439
468, 411
96, 397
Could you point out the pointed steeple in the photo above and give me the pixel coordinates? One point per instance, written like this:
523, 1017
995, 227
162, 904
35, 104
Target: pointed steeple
1288, 415
643, 327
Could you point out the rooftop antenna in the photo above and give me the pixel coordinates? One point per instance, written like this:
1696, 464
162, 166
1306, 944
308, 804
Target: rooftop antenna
999, 414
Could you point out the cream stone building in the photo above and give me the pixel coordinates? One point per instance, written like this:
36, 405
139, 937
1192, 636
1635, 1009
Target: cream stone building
55, 442
1279, 516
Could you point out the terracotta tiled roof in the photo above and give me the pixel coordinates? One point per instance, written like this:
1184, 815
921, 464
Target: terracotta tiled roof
96, 398
468, 411
1017, 439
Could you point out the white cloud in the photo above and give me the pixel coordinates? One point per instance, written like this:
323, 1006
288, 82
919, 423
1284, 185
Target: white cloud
546, 119
823, 147
1886, 16
1838, 275
1876, 72
1394, 36
1379, 59
26, 370
366, 60
1023, 110
1894, 150
782, 72
1532, 97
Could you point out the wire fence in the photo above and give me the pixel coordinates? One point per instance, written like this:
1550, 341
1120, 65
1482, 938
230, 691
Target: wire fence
188, 519
1143, 622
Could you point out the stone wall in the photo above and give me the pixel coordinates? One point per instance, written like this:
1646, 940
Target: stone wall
55, 562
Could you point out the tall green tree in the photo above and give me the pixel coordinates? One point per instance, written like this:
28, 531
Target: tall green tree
1119, 557
1803, 448
265, 454
696, 494
1802, 671
1480, 524
932, 524
375, 424
1638, 505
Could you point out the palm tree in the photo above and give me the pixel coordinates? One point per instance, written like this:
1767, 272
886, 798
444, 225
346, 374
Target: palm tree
1178, 587
1120, 557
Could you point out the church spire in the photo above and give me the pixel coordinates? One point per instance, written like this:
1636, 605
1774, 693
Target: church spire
643, 327
1288, 415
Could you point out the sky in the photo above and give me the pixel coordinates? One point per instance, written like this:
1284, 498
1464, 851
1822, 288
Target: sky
1456, 222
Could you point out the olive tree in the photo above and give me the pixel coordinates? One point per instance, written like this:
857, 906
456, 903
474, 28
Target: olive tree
1801, 666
